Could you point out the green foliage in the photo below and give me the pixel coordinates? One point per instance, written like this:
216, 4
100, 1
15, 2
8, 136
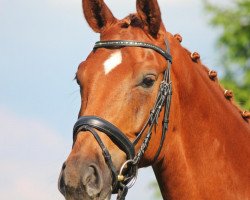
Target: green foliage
154, 186
234, 44
241, 91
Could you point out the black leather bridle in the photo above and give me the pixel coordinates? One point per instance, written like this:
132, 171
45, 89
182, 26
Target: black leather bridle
93, 123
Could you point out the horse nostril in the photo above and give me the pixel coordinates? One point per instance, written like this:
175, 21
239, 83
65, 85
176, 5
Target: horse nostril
92, 180
83, 180
61, 184
61, 180
90, 176
64, 166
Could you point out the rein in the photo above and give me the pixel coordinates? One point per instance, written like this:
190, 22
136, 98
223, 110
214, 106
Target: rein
125, 179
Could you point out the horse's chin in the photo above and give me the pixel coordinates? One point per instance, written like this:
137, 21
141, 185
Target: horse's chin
104, 197
83, 195
108, 197
101, 197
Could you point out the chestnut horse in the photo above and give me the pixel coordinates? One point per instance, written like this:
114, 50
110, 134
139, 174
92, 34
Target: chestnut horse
206, 151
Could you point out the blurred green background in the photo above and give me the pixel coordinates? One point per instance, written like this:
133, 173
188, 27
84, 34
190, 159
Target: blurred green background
233, 46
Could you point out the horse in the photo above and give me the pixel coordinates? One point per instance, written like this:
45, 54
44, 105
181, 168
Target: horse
148, 101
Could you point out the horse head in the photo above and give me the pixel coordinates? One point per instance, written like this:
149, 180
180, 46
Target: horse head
119, 83
126, 92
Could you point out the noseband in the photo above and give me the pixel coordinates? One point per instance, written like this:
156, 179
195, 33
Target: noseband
123, 180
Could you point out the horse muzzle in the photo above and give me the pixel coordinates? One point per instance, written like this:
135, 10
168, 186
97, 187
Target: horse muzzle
84, 182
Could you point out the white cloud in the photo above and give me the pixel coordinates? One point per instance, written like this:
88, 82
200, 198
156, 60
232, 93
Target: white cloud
31, 157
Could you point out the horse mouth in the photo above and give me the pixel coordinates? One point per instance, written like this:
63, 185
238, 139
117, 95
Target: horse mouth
82, 193
108, 197
86, 197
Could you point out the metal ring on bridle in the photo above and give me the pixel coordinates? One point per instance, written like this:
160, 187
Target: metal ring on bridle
132, 178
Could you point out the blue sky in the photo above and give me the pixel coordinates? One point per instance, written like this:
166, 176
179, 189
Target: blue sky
41, 45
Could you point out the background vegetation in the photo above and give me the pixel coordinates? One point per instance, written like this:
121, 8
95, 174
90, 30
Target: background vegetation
234, 46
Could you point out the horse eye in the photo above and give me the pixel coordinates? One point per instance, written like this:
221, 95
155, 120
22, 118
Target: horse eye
148, 81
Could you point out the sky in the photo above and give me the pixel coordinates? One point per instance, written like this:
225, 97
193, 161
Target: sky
41, 45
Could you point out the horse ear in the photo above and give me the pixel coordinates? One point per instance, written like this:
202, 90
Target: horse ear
149, 12
97, 14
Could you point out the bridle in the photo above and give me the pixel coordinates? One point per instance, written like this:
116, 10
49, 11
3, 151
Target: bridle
123, 181
93, 123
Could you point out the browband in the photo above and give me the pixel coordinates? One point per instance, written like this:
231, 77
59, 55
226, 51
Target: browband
129, 43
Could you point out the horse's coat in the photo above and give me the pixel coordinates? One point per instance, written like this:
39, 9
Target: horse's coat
207, 148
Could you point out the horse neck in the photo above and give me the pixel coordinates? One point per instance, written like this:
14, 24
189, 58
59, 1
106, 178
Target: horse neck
206, 146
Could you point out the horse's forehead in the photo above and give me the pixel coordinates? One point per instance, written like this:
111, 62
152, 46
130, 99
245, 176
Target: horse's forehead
106, 62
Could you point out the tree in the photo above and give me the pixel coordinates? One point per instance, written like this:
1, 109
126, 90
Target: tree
234, 43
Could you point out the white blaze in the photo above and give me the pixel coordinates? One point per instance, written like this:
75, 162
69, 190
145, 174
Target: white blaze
113, 61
